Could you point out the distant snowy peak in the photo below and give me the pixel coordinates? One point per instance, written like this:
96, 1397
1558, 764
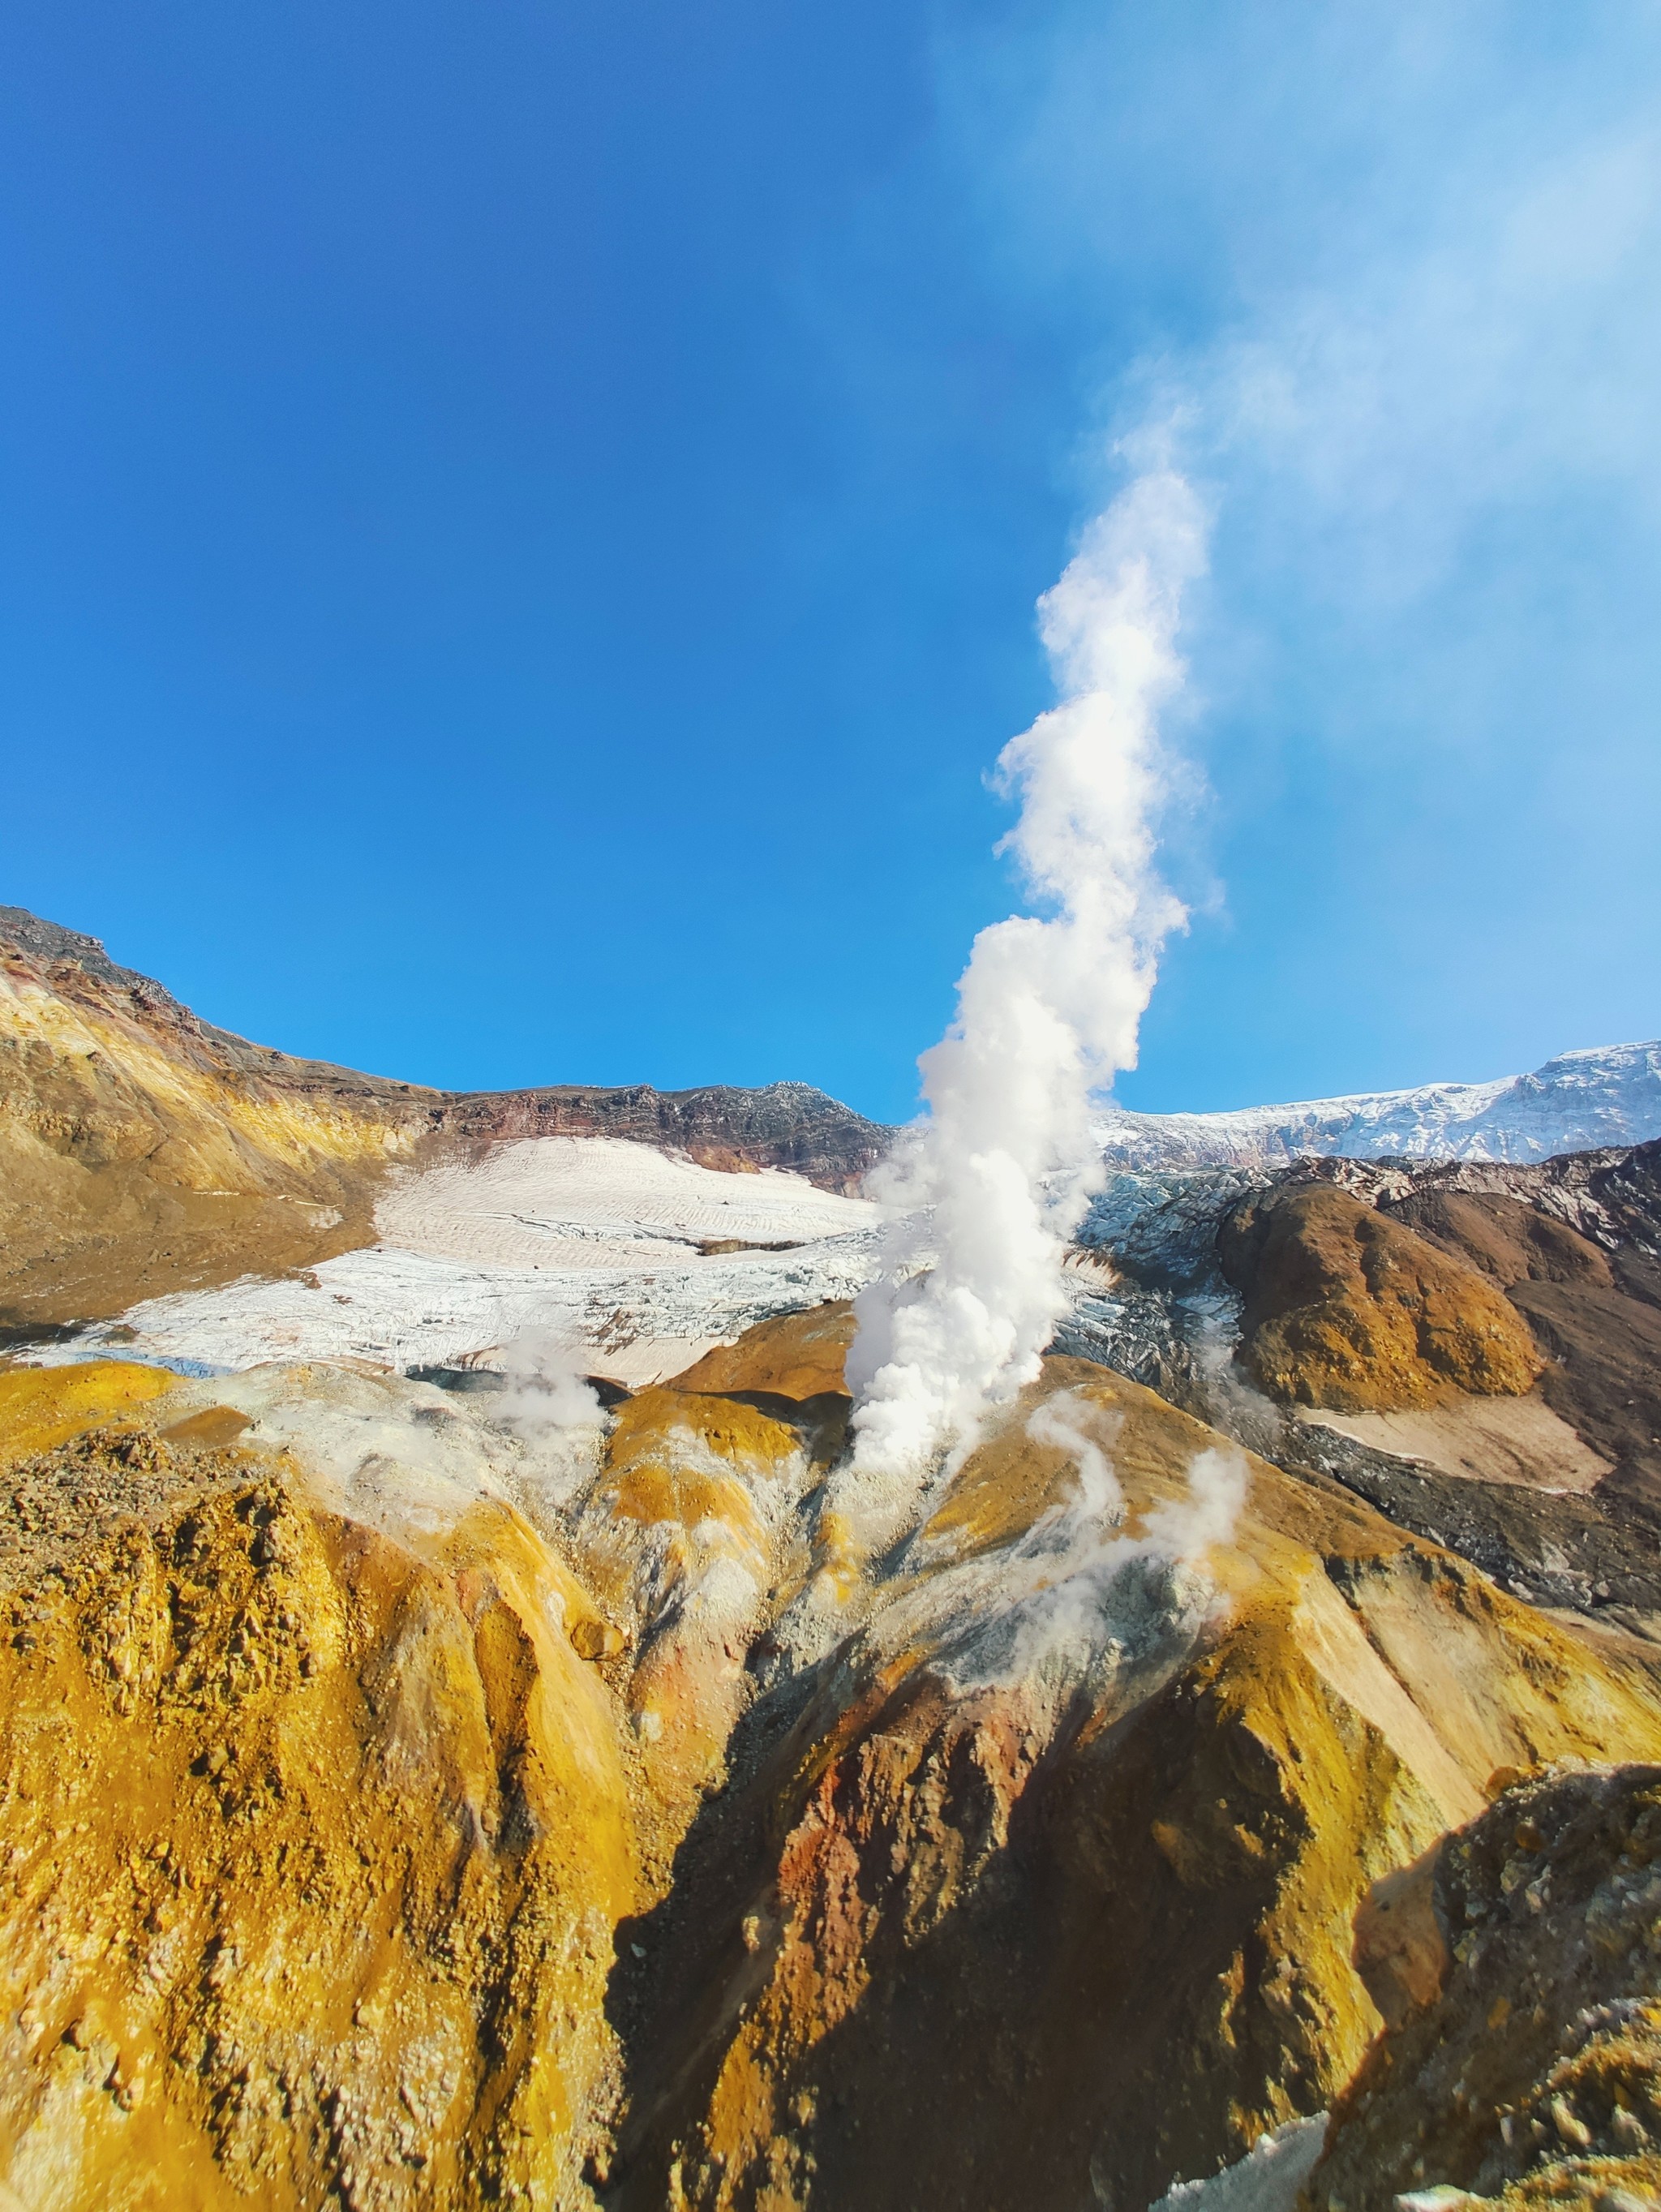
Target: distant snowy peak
1576, 1103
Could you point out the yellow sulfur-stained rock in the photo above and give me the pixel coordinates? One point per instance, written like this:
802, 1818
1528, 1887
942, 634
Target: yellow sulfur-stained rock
689, 1529
390, 1818
1088, 1828
41, 1407
799, 1356
311, 1846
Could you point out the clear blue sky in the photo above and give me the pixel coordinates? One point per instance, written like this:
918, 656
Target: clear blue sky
520, 524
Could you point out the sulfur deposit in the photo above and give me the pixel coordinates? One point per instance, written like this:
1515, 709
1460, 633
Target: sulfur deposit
1085, 1821
523, 1792
402, 1809
314, 1836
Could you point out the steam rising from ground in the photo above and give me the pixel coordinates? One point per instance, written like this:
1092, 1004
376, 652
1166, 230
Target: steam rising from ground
1076, 1590
1048, 1010
554, 1411
544, 1394
1078, 1601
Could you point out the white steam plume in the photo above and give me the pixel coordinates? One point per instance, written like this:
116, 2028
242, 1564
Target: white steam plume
1048, 1010
544, 1391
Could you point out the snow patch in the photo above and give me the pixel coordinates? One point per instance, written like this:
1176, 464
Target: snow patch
1579, 1102
593, 1246
1267, 2179
602, 1202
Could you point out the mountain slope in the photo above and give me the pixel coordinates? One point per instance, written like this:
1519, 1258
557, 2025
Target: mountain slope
1472, 1346
143, 1151
1578, 1101
413, 1813
421, 1799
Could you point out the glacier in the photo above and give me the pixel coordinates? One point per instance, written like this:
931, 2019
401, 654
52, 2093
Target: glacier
639, 1259
635, 1261
1578, 1102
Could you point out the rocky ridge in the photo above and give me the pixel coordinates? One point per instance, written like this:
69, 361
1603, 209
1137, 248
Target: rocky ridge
1577, 1102
145, 1150
1519, 1967
426, 1797
1306, 1309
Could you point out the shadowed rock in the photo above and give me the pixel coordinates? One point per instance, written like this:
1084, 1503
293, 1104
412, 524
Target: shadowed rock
1522, 2062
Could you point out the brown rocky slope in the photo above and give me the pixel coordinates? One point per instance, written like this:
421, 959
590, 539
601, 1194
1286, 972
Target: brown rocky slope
1401, 1311
1522, 2067
1572, 1247
1346, 1308
142, 1151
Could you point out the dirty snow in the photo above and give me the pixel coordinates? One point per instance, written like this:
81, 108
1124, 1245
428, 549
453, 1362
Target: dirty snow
1267, 2179
594, 1242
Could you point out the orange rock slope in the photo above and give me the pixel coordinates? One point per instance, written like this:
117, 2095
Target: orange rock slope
400, 1809
1348, 1308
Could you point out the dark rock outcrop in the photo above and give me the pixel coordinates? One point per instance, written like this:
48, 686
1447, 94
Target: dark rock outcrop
1564, 1551
781, 1124
1528, 2072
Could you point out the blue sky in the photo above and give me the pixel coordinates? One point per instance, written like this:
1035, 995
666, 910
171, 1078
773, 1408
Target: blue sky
519, 526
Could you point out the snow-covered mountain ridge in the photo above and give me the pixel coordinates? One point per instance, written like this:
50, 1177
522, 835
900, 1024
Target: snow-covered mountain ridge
1578, 1102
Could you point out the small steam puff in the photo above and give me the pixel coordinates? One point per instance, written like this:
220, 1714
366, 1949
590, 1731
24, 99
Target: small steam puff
553, 1411
1047, 1012
544, 1393
1076, 1600
1060, 1423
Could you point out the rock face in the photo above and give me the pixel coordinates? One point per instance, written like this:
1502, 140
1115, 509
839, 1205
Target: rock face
1345, 1308
1467, 1278
1084, 1825
142, 1151
1523, 2062
413, 1799
403, 1803
314, 1841
782, 1125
